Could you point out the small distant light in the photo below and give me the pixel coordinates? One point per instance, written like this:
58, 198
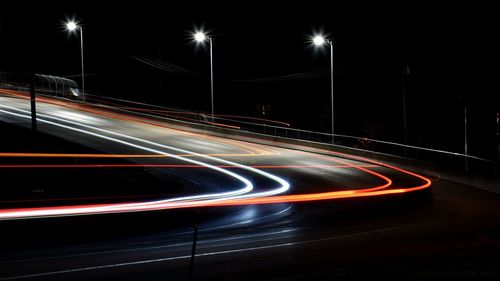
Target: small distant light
318, 40
200, 36
71, 26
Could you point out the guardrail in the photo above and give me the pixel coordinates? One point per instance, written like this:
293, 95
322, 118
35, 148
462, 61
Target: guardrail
273, 128
454, 160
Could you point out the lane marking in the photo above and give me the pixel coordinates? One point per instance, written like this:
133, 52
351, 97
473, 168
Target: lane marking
141, 262
200, 242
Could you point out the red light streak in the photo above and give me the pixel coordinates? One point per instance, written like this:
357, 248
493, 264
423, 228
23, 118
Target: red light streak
166, 112
58, 166
244, 146
379, 190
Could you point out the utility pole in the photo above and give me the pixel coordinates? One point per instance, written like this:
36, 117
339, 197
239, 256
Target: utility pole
330, 42
405, 72
32, 84
211, 77
193, 249
466, 149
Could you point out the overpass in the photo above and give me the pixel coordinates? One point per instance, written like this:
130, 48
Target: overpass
271, 205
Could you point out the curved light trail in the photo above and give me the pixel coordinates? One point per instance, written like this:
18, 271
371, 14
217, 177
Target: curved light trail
143, 206
246, 147
245, 195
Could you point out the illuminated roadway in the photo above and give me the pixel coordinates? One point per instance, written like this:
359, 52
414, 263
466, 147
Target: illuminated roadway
262, 210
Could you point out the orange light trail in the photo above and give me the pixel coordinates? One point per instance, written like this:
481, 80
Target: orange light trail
295, 198
221, 125
80, 155
66, 104
165, 111
56, 166
241, 145
379, 190
77, 155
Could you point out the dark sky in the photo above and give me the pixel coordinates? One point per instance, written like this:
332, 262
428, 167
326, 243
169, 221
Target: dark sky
245, 32
446, 49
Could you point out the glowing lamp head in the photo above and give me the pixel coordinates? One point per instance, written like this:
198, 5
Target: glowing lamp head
199, 37
71, 26
318, 40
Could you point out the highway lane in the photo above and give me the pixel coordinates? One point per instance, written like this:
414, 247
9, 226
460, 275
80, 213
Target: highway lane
250, 240
120, 131
310, 238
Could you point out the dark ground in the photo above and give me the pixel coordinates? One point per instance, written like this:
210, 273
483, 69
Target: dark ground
455, 236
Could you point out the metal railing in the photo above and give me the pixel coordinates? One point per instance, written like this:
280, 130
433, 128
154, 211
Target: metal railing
265, 127
259, 126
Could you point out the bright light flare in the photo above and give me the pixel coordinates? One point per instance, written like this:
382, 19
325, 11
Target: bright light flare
200, 36
71, 26
318, 40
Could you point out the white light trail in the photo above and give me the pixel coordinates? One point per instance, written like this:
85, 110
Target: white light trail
196, 200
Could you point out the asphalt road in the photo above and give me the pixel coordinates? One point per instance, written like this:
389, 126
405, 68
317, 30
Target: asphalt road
401, 235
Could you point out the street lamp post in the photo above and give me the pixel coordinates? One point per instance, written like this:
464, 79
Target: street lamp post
201, 37
320, 40
211, 77
466, 148
72, 26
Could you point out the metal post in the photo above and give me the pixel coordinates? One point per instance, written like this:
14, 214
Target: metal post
331, 82
63, 82
32, 95
54, 92
40, 89
81, 53
32, 81
211, 77
193, 251
466, 150
406, 71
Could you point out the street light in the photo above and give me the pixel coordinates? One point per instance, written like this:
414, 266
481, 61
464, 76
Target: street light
320, 40
72, 26
200, 37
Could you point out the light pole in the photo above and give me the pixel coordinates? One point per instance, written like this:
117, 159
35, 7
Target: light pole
201, 37
72, 26
320, 40
466, 148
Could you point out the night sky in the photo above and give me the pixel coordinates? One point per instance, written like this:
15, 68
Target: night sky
257, 45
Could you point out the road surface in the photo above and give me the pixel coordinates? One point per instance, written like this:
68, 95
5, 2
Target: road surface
262, 212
